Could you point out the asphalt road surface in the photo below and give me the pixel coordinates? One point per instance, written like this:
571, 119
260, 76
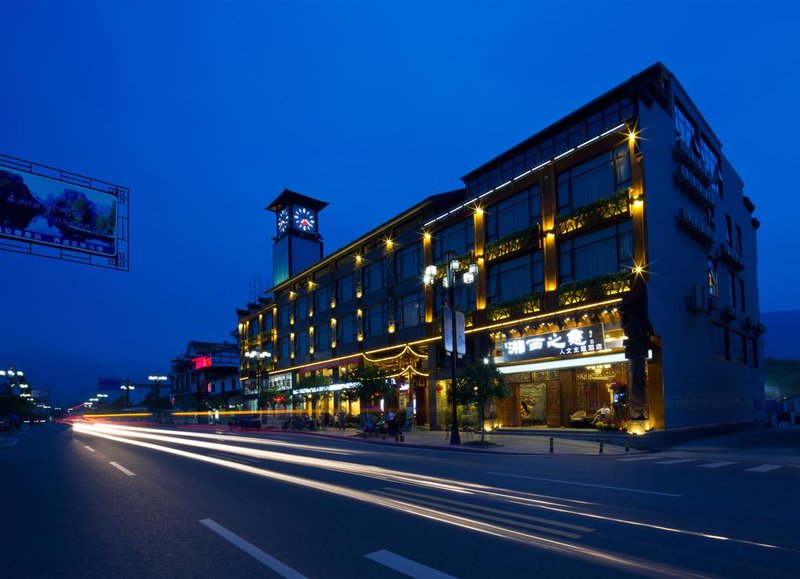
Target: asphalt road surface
115, 501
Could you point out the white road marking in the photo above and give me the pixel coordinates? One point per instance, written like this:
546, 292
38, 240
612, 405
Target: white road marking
406, 566
259, 555
717, 464
675, 461
765, 468
10, 441
89, 448
122, 468
580, 484
631, 459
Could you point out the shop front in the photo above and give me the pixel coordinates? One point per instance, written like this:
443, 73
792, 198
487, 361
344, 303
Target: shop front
563, 379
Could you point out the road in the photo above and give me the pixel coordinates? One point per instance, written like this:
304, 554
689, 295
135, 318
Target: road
161, 502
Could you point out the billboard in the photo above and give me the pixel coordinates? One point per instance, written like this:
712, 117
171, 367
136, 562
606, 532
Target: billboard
54, 213
580, 340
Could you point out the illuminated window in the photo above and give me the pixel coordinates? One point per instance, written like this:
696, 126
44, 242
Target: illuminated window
712, 280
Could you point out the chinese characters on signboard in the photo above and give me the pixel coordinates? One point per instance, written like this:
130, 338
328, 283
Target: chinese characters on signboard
554, 344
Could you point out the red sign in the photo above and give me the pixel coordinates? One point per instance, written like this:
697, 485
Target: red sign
202, 362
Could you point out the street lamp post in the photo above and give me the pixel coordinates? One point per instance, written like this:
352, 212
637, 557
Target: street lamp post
127, 386
449, 281
158, 379
260, 357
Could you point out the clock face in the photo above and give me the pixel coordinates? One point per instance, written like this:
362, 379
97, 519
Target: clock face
304, 219
283, 220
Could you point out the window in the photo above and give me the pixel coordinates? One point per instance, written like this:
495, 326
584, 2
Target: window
720, 342
514, 213
728, 230
710, 161
408, 262
375, 321
712, 280
684, 128
373, 277
458, 238
596, 179
283, 315
409, 310
754, 352
322, 299
741, 295
345, 289
346, 329
603, 252
301, 343
302, 308
323, 337
252, 329
738, 348
267, 322
515, 277
464, 297
283, 348
739, 240
732, 280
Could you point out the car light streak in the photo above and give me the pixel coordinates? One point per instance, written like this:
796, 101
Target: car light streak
595, 556
577, 508
220, 436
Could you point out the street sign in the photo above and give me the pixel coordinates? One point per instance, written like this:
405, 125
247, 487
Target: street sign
447, 328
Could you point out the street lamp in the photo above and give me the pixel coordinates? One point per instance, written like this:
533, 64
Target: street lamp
158, 379
259, 356
127, 386
449, 281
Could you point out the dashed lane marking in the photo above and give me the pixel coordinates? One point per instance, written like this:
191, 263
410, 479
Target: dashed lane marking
718, 464
406, 566
633, 458
675, 461
121, 468
765, 468
280, 568
89, 448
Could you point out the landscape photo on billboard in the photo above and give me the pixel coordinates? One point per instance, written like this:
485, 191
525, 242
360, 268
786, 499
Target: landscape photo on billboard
42, 210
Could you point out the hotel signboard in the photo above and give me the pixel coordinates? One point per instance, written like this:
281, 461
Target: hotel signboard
581, 340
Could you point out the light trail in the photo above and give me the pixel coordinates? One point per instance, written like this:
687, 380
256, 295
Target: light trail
596, 556
554, 504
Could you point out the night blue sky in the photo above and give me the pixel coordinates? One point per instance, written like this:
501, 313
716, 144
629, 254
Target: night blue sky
207, 110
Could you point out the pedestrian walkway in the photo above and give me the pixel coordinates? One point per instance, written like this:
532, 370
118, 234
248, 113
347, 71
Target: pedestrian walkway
496, 443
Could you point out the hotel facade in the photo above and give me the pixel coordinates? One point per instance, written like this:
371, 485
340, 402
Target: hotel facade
614, 263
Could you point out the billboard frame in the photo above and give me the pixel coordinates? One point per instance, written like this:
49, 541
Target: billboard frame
67, 251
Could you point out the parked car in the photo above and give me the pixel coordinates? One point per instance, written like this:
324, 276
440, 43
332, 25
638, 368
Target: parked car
245, 422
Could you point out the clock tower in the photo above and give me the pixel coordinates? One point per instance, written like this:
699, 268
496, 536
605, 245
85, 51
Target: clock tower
297, 243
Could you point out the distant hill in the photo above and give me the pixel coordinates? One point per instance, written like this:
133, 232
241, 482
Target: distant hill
781, 339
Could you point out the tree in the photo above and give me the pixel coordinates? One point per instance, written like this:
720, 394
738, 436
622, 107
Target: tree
373, 382
782, 377
480, 383
317, 382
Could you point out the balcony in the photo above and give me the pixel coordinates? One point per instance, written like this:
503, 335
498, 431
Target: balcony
691, 160
730, 256
693, 188
521, 306
525, 239
617, 204
697, 230
597, 288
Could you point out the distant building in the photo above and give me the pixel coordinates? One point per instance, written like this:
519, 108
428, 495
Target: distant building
616, 265
206, 376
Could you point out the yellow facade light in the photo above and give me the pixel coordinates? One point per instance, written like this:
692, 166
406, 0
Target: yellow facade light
479, 211
389, 244
426, 235
358, 259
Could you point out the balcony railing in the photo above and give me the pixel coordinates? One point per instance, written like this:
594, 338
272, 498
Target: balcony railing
521, 306
522, 240
691, 186
691, 161
730, 256
698, 230
596, 288
596, 212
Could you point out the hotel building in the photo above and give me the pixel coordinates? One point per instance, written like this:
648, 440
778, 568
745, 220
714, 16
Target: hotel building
616, 265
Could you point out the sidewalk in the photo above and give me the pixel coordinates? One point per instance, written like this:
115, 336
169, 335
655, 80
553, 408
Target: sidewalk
503, 443
778, 445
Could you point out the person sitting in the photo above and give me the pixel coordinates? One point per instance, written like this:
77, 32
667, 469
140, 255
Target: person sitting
601, 414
